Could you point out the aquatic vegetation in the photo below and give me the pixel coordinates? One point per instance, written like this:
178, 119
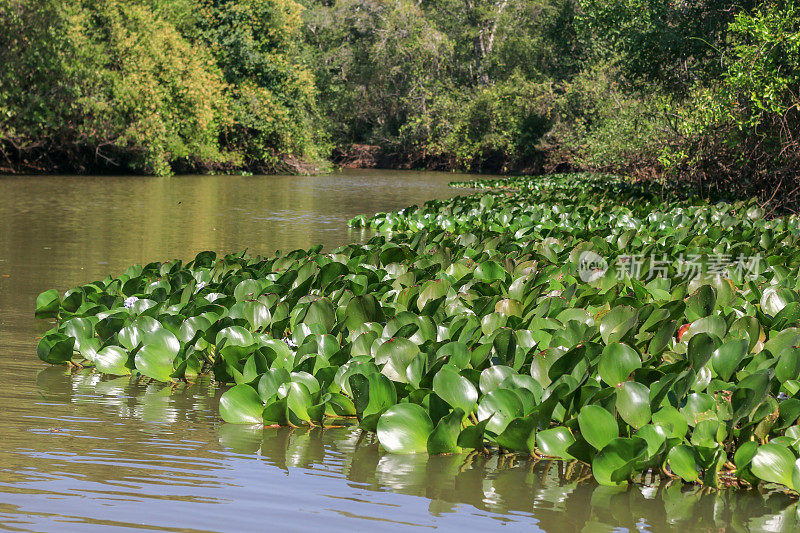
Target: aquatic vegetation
584, 319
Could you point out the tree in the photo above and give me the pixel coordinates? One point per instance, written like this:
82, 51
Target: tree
271, 93
104, 84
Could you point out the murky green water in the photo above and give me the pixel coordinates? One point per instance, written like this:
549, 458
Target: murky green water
78, 453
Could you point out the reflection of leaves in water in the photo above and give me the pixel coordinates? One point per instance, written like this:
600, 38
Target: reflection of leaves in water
155, 406
132, 398
548, 491
552, 492
241, 439
400, 472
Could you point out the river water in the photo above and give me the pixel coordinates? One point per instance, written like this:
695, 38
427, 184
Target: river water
80, 453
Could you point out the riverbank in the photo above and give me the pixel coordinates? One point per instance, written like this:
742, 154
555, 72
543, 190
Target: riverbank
109, 160
393, 158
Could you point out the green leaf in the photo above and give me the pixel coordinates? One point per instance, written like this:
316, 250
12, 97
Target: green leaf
163, 339
489, 271
727, 357
471, 437
655, 435
682, 462
698, 405
405, 428
774, 299
788, 316
617, 362
362, 309
662, 337
744, 455
633, 403
701, 303
112, 360
617, 323
673, 420
712, 325
275, 412
241, 404
455, 389
396, 354
155, 361
270, 382
298, 400
788, 366
456, 353
444, 438
701, 347
554, 442
774, 463
321, 313
708, 433
505, 345
598, 426
48, 304
778, 342
235, 336
509, 307
492, 377
248, 289
519, 435
55, 348
191, 326
372, 394
500, 407
257, 315
614, 464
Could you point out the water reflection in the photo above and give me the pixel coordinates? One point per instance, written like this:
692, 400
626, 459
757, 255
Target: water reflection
503, 489
80, 453
510, 487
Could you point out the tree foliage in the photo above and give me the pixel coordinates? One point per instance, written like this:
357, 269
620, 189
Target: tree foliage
704, 91
138, 85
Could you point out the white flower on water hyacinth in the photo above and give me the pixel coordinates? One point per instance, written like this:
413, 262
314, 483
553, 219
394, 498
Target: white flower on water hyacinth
130, 301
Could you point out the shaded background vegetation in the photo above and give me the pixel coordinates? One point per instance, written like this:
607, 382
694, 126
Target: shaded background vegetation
155, 86
702, 90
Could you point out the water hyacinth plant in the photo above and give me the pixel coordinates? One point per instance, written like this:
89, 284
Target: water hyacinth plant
574, 317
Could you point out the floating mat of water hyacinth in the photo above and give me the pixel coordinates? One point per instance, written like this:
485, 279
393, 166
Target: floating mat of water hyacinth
559, 318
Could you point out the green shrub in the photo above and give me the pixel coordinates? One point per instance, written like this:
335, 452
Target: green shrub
271, 94
154, 86
761, 92
497, 127
603, 125
107, 79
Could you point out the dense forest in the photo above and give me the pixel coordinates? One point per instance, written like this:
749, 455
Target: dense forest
705, 90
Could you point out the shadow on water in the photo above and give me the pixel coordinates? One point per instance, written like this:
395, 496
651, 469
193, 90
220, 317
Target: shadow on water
558, 496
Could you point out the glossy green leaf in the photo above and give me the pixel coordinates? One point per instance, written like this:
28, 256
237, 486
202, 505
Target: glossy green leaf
682, 463
500, 407
112, 360
614, 464
405, 428
455, 389
727, 357
774, 463
444, 438
241, 405
48, 304
633, 403
598, 426
554, 442
617, 362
